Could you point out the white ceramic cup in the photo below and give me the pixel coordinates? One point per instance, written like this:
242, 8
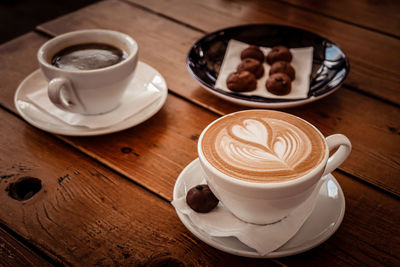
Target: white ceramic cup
269, 202
94, 91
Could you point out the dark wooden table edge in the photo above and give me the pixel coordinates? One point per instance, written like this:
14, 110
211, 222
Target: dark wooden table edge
18, 244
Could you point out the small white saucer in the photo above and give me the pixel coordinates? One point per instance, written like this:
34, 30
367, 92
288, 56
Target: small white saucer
144, 76
323, 222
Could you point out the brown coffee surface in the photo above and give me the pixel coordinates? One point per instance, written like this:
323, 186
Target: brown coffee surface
88, 56
263, 146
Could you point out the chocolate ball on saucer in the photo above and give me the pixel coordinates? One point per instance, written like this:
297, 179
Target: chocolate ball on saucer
252, 65
279, 53
242, 81
279, 84
201, 199
283, 66
253, 51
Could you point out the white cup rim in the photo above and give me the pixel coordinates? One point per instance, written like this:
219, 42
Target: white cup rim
259, 185
44, 48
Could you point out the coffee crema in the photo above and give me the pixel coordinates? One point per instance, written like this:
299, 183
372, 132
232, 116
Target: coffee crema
263, 146
89, 56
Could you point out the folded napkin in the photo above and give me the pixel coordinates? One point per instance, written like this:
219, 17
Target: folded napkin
220, 222
135, 99
301, 62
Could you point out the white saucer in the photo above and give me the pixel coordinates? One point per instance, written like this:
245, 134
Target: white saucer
323, 222
144, 76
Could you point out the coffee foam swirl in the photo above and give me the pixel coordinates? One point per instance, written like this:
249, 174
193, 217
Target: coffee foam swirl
263, 148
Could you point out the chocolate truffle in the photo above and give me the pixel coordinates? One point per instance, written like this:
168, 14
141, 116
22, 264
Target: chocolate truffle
279, 84
201, 199
253, 51
279, 53
283, 66
243, 81
252, 65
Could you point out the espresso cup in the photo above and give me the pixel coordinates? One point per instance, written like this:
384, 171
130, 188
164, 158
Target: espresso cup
264, 164
98, 87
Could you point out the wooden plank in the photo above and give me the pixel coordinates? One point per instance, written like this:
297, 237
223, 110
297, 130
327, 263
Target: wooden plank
375, 137
158, 147
85, 214
382, 16
14, 253
375, 67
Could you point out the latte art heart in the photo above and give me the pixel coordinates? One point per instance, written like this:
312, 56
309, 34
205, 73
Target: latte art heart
253, 131
254, 145
260, 148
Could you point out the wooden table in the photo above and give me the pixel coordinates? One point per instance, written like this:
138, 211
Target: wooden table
106, 200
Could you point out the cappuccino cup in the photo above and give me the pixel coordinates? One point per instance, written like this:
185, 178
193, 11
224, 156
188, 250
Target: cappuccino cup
89, 70
263, 164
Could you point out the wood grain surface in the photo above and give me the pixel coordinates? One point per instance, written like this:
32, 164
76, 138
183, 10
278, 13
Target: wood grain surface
156, 149
375, 136
87, 214
105, 200
373, 56
14, 253
382, 16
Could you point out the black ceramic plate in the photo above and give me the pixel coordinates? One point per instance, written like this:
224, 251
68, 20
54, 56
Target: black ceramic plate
330, 65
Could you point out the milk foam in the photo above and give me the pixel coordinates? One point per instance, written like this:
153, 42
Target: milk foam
254, 145
262, 148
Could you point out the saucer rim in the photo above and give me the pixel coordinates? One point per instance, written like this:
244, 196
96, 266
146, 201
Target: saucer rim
278, 105
72, 130
199, 233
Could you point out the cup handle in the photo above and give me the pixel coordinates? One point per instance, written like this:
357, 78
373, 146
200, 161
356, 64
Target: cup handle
63, 95
334, 161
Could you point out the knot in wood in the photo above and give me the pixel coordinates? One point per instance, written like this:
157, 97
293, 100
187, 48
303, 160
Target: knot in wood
24, 188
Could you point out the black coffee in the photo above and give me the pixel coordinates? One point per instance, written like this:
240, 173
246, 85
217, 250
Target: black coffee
88, 57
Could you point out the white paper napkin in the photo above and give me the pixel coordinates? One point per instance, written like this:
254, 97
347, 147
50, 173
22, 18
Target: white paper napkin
263, 238
301, 62
133, 101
